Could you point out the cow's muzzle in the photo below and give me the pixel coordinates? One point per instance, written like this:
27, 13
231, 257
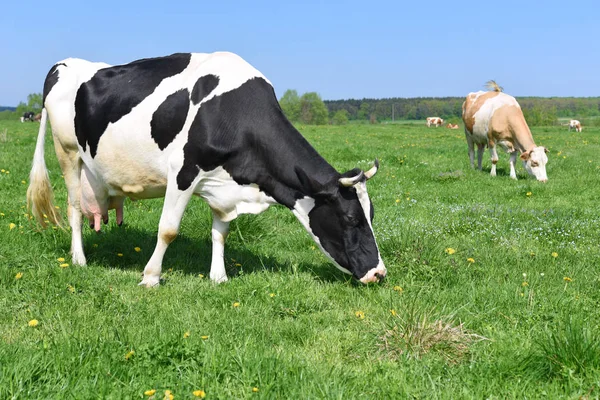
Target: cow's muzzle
376, 274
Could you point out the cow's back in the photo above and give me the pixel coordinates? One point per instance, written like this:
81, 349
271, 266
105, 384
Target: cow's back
479, 109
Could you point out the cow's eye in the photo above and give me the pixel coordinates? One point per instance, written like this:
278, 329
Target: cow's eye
534, 164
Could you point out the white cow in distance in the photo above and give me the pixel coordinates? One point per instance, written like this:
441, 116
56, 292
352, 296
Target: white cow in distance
437, 121
574, 124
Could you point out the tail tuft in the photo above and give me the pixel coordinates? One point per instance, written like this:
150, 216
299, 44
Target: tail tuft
492, 85
40, 198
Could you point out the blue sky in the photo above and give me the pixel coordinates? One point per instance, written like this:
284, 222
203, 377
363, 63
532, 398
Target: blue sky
340, 49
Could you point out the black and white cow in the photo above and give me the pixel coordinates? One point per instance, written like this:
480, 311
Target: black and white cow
195, 124
28, 116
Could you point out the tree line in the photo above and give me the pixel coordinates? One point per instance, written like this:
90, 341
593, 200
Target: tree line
537, 110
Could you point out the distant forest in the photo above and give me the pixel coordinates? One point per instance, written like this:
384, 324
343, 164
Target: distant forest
537, 110
2, 108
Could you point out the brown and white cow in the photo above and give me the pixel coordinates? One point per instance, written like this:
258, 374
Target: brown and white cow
495, 118
437, 121
574, 124
452, 126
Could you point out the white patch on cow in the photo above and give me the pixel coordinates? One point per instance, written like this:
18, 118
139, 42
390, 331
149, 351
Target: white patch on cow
365, 203
228, 198
301, 210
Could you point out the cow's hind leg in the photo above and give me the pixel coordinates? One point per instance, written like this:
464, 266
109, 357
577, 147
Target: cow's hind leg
471, 148
175, 203
219, 232
480, 148
70, 164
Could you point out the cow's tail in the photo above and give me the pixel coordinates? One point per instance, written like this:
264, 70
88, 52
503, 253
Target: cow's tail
492, 85
40, 198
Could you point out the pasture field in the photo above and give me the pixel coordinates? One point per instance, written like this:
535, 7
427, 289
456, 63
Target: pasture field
493, 285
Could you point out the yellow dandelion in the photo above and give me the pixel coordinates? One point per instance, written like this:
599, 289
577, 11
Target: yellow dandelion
397, 200
168, 395
149, 392
521, 294
186, 334
60, 259
64, 265
450, 251
271, 294
470, 260
19, 275
57, 207
7, 172
236, 304
567, 279
23, 182
359, 314
137, 249
393, 312
71, 288
199, 393
204, 337
11, 226
398, 289
129, 354
200, 276
119, 254
238, 264
529, 193
524, 284
33, 323
532, 254
1, 214
255, 389
2, 170
554, 254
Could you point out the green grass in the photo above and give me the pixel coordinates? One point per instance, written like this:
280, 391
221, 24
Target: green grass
508, 325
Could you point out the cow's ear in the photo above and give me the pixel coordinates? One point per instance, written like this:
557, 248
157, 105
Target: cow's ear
525, 156
314, 186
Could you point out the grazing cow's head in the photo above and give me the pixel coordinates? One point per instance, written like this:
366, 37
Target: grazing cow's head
341, 223
535, 162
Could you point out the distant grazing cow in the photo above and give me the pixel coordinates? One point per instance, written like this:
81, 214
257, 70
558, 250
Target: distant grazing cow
437, 121
495, 118
27, 116
574, 124
452, 126
194, 124
38, 117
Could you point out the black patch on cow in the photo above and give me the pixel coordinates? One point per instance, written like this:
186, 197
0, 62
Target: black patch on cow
169, 118
113, 92
245, 132
51, 80
204, 85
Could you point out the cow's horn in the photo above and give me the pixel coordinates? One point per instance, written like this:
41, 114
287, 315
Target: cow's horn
370, 173
347, 182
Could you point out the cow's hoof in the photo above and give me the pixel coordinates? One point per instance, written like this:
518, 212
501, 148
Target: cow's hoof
79, 259
150, 281
220, 279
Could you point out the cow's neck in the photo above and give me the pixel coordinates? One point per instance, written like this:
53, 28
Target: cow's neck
522, 135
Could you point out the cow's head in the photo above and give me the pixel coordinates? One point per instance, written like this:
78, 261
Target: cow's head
535, 162
339, 215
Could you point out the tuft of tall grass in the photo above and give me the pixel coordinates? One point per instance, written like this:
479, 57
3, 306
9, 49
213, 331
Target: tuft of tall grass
572, 348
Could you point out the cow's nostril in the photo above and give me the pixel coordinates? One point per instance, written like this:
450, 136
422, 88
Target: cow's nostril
380, 277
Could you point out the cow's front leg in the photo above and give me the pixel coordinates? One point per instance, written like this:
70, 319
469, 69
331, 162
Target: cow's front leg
219, 232
494, 156
513, 159
175, 203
